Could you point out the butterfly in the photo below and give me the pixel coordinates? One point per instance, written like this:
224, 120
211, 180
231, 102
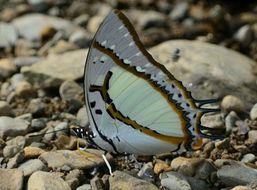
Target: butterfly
135, 105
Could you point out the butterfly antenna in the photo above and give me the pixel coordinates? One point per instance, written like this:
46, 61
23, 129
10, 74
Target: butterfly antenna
208, 101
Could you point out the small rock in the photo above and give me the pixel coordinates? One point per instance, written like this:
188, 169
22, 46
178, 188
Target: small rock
11, 179
223, 144
38, 123
213, 121
237, 175
148, 19
25, 90
29, 26
248, 158
244, 35
25, 48
55, 69
94, 23
10, 150
73, 159
179, 11
81, 39
26, 61
39, 5
161, 166
252, 137
31, 166
7, 68
174, 181
232, 103
5, 109
146, 172
19, 141
12, 127
185, 165
84, 187
124, 181
82, 117
14, 161
230, 121
61, 47
253, 112
240, 187
82, 20
37, 107
69, 90
73, 178
27, 117
62, 127
32, 152
97, 183
41, 180
8, 35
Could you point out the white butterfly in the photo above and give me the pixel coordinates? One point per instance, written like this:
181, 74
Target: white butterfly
134, 104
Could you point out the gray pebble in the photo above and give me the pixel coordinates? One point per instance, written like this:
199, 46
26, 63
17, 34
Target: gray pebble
38, 123
69, 90
179, 11
237, 175
31, 166
11, 179
82, 117
248, 158
37, 107
244, 35
84, 187
8, 35
10, 151
146, 172
174, 181
230, 121
81, 38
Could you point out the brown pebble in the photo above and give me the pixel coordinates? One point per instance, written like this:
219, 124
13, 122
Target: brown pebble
32, 152
161, 166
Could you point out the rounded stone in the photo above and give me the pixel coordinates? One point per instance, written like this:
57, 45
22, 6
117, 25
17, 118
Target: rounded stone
233, 103
253, 112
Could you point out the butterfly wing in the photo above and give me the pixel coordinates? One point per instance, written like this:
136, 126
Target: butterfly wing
134, 104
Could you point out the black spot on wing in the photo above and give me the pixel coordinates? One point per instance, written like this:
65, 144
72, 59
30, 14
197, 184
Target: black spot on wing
99, 112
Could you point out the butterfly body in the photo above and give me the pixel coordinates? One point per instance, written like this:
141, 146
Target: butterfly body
134, 104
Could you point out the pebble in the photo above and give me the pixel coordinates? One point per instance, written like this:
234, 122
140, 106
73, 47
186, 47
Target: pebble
41, 180
230, 121
12, 127
248, 158
161, 166
32, 166
26, 61
84, 187
123, 181
38, 123
253, 112
5, 109
80, 38
14, 161
94, 23
252, 137
240, 187
25, 90
82, 117
233, 103
29, 26
74, 159
233, 175
146, 172
32, 152
61, 47
8, 35
179, 11
66, 142
56, 69
11, 179
70, 90
37, 108
244, 35
73, 178
148, 19
82, 19
7, 68
174, 181
10, 150
39, 5
97, 183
